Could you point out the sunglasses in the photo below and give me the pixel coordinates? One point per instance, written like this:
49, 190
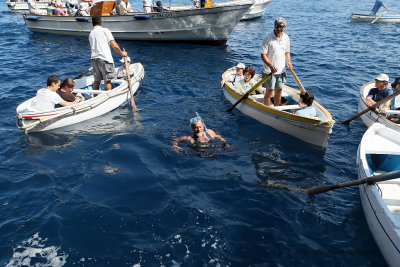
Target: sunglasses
280, 26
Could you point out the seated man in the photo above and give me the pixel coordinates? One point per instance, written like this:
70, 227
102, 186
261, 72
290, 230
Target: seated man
248, 82
125, 7
234, 77
396, 101
159, 7
379, 92
47, 98
121, 71
84, 8
200, 134
65, 91
305, 102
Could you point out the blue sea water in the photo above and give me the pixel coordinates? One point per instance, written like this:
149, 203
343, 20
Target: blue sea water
111, 192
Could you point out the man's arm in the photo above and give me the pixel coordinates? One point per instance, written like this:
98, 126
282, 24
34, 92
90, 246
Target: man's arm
215, 135
115, 46
179, 140
266, 60
288, 60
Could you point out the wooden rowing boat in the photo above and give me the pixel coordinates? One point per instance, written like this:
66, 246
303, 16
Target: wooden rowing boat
30, 120
313, 130
371, 117
379, 152
395, 18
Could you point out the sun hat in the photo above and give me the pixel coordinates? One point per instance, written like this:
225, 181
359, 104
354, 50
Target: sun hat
240, 66
396, 82
127, 58
382, 77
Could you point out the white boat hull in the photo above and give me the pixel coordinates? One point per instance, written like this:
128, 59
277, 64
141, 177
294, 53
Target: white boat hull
205, 25
371, 117
395, 18
257, 10
315, 131
384, 222
86, 110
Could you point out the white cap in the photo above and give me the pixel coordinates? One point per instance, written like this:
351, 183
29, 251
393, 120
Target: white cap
382, 77
240, 66
127, 58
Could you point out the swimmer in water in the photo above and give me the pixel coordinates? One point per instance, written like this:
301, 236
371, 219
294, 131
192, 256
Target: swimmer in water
201, 135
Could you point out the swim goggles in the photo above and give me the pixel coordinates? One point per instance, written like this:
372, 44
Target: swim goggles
193, 120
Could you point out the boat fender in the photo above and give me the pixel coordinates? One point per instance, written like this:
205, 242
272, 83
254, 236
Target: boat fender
141, 17
82, 19
32, 18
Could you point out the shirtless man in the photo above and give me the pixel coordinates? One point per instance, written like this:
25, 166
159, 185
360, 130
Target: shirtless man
200, 134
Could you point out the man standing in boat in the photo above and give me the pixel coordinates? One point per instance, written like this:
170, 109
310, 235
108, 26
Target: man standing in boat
378, 4
275, 54
103, 63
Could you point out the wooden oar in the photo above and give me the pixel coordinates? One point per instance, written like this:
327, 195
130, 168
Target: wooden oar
326, 188
128, 75
298, 81
380, 16
372, 107
246, 95
369, 180
83, 73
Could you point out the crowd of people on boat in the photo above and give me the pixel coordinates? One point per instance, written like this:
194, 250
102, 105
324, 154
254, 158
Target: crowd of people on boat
83, 7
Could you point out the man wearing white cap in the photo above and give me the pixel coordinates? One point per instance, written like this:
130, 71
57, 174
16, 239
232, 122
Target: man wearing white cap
234, 77
121, 71
379, 92
275, 54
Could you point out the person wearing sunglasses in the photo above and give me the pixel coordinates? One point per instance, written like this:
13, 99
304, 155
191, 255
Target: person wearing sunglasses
275, 54
201, 135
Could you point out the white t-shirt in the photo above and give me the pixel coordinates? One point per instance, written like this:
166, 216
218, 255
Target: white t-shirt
100, 39
307, 111
46, 100
124, 8
275, 48
147, 3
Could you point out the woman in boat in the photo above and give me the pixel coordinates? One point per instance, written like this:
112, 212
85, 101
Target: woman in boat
234, 77
47, 98
201, 135
248, 81
395, 105
305, 102
65, 91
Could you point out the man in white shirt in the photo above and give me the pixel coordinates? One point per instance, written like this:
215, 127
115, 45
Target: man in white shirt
47, 98
125, 7
147, 6
34, 10
275, 52
103, 63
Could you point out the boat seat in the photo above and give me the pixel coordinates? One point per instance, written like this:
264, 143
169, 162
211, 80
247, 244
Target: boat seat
287, 107
391, 196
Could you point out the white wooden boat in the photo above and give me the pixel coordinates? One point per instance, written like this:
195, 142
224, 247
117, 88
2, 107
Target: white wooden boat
22, 6
313, 130
395, 18
211, 25
257, 10
371, 117
30, 120
378, 153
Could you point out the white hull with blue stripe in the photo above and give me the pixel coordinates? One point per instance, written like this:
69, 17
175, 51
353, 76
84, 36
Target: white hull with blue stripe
379, 152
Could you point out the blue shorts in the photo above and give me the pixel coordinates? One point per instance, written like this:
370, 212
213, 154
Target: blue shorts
275, 81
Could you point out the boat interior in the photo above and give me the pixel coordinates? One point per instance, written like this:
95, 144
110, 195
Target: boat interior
390, 190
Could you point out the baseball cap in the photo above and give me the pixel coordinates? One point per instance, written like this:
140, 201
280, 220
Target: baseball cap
382, 77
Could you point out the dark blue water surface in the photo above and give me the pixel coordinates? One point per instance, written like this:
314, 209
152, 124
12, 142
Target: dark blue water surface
112, 192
